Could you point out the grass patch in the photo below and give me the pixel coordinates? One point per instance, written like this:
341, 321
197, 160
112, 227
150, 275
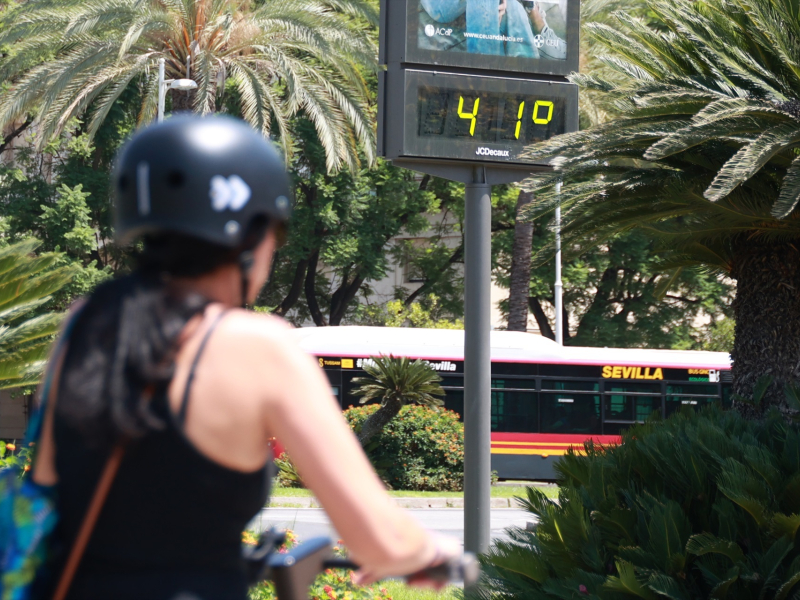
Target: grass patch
499, 491
400, 591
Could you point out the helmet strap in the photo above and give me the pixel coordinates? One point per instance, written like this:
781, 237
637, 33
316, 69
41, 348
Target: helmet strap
246, 261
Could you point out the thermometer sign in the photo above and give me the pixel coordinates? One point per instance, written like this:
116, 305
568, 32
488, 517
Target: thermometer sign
514, 112
468, 117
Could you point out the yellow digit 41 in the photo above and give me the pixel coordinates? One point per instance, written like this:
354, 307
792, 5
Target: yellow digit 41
473, 116
542, 104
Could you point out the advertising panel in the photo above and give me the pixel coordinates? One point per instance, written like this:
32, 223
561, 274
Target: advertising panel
521, 36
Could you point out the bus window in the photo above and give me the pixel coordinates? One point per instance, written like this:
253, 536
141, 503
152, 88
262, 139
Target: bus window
627, 403
520, 384
634, 388
584, 386
569, 413
526, 369
631, 408
675, 403
694, 395
514, 411
727, 392
347, 398
449, 381
695, 389
454, 400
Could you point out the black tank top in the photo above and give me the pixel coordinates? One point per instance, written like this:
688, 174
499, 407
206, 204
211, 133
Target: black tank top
171, 526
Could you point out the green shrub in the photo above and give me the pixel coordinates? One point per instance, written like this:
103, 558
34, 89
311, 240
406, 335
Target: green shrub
421, 449
12, 455
287, 476
330, 585
698, 506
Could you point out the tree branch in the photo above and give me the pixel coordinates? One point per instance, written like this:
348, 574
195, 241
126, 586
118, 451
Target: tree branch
15, 133
342, 298
295, 290
682, 299
423, 184
541, 319
457, 255
311, 291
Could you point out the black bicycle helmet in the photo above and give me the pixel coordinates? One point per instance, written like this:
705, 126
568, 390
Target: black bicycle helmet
207, 177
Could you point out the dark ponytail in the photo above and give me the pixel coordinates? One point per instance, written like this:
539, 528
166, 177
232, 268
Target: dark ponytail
123, 344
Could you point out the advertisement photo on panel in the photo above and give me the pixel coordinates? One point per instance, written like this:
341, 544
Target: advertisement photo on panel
519, 36
519, 28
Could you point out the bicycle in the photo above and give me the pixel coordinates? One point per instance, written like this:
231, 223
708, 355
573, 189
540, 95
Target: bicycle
293, 572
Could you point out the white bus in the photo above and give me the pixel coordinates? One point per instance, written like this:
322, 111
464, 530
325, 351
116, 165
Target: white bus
545, 398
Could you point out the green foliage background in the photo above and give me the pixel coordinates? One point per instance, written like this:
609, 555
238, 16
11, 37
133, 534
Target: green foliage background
698, 506
420, 449
59, 191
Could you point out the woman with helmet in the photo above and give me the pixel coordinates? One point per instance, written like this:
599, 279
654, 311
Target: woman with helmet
164, 368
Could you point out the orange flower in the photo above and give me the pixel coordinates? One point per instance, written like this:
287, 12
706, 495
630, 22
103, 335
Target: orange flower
10, 447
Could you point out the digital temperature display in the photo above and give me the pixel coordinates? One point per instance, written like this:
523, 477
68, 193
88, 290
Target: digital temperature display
448, 116
489, 117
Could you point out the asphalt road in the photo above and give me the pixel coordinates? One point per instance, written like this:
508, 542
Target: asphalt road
311, 522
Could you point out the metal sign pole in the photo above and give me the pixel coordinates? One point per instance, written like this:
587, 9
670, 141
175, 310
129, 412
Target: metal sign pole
559, 286
477, 363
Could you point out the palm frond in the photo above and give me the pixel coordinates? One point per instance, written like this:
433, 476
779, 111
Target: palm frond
67, 58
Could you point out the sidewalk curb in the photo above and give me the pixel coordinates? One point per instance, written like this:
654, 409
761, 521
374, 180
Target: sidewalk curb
433, 502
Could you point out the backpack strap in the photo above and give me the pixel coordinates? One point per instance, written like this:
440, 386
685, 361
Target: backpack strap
103, 486
89, 520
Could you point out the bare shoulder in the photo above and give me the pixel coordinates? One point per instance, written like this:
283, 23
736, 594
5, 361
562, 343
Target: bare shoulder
259, 350
239, 320
246, 332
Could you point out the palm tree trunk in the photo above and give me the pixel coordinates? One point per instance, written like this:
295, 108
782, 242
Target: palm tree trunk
519, 289
183, 101
378, 420
767, 313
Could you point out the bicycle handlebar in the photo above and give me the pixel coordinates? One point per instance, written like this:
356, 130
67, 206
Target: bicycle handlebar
293, 572
465, 568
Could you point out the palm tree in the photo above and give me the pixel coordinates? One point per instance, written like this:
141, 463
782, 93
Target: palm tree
704, 157
395, 382
277, 59
27, 282
594, 109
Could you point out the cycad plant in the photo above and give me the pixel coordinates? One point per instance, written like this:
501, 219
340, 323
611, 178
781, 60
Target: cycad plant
697, 507
704, 157
276, 58
395, 382
26, 284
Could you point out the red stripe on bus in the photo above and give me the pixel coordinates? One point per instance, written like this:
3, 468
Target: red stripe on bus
554, 438
542, 448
